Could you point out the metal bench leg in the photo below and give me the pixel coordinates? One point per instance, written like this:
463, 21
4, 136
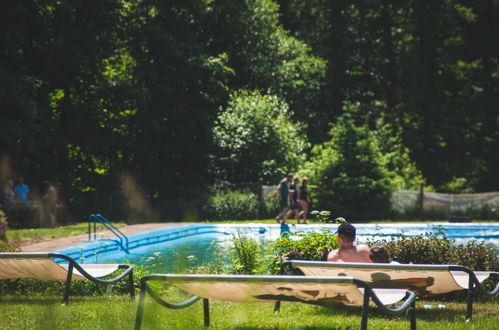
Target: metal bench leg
277, 306
469, 307
206, 309
140, 308
65, 297
131, 285
412, 315
365, 310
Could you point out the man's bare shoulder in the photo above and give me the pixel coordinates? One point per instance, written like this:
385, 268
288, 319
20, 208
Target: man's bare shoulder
333, 256
363, 248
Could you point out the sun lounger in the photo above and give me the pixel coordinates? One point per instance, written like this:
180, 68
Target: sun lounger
252, 288
41, 266
423, 280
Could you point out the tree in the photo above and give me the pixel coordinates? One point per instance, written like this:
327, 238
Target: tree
347, 173
257, 138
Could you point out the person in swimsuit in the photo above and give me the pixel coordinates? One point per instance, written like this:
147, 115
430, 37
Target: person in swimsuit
303, 200
293, 199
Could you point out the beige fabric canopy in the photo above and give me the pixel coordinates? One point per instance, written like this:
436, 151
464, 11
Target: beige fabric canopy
243, 291
258, 288
42, 267
424, 280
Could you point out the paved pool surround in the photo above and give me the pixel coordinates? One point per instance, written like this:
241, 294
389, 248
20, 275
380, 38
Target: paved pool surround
112, 250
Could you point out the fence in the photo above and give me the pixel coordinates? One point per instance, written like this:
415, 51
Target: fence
431, 204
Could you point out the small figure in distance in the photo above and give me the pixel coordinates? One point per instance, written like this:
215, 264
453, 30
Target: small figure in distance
293, 199
304, 200
22, 191
283, 190
348, 252
8, 193
50, 200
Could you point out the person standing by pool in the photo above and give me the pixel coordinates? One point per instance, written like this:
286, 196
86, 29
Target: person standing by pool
22, 191
293, 199
283, 190
50, 201
9, 195
348, 251
303, 200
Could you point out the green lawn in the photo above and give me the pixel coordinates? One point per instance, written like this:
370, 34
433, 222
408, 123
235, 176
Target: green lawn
35, 235
118, 312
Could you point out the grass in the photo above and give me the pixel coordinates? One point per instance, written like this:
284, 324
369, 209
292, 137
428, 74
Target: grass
35, 235
118, 312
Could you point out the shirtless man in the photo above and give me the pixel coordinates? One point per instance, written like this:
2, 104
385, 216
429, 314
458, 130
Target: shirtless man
348, 252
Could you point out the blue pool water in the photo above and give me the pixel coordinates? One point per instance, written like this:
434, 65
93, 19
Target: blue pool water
190, 245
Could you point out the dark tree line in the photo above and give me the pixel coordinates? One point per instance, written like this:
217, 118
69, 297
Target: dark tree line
100, 95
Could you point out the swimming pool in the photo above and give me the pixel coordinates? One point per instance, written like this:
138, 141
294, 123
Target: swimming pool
200, 243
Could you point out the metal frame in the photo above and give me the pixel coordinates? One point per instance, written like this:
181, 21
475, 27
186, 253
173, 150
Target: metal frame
408, 305
123, 239
473, 280
128, 270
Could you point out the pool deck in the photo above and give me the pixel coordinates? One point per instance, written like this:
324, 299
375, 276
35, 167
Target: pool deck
61, 243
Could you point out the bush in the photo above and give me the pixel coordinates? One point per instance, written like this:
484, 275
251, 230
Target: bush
6, 247
234, 205
302, 246
347, 173
256, 138
3, 225
246, 255
33, 287
437, 248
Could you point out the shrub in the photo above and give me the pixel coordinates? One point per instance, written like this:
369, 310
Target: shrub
437, 248
349, 174
7, 247
256, 138
3, 225
33, 287
246, 255
302, 246
234, 205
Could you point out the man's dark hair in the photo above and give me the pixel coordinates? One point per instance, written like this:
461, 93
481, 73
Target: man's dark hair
347, 232
379, 253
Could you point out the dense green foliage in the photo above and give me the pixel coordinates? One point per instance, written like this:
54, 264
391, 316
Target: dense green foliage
436, 248
231, 205
117, 100
246, 255
257, 139
238, 205
302, 246
349, 174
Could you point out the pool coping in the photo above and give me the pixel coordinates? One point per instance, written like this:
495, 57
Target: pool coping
65, 242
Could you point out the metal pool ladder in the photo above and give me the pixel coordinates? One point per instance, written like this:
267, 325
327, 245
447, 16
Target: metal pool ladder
94, 218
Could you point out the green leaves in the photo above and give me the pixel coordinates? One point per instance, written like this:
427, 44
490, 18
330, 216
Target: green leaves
257, 138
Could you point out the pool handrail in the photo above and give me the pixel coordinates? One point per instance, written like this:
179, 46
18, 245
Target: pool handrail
123, 239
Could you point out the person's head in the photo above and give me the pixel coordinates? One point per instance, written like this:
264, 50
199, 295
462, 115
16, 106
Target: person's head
296, 180
10, 183
21, 181
346, 233
289, 177
304, 181
379, 253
